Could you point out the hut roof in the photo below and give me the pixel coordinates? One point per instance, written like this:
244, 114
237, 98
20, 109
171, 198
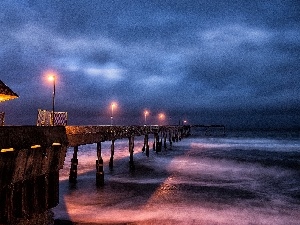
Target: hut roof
6, 93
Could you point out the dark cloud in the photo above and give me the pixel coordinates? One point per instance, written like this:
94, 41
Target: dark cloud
231, 62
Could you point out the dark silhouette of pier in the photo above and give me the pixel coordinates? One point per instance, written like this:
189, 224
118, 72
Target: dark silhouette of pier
31, 157
81, 135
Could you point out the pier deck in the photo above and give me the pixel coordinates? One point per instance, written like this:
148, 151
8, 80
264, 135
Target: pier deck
80, 135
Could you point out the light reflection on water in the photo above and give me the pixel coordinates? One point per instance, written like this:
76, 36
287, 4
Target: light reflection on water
200, 181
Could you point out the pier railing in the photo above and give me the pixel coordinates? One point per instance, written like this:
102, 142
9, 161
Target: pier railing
80, 135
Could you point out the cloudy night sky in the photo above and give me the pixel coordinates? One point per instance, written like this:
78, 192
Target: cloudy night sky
235, 63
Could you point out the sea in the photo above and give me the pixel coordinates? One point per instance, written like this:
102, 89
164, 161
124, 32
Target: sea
241, 177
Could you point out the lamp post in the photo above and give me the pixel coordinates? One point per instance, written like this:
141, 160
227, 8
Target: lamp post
52, 78
146, 113
112, 113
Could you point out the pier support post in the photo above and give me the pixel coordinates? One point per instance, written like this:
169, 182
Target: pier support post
73, 169
177, 135
154, 141
99, 167
165, 140
158, 143
146, 145
170, 138
131, 146
112, 152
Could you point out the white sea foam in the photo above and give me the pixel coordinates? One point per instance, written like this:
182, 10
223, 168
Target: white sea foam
199, 181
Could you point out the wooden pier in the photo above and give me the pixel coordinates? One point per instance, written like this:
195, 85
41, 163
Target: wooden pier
30, 160
81, 135
31, 157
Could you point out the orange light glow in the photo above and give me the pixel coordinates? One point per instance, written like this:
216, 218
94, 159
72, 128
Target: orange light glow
51, 78
146, 113
4, 97
161, 116
113, 106
50, 75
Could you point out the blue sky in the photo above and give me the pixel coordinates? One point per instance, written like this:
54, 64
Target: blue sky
229, 62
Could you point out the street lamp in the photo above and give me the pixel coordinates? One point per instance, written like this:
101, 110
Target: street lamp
51, 78
146, 113
161, 117
112, 113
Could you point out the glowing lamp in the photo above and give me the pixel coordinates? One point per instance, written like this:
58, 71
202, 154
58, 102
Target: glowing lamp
113, 105
6, 93
146, 113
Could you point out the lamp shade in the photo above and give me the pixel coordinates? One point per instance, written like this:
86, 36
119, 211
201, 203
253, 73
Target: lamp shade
6, 93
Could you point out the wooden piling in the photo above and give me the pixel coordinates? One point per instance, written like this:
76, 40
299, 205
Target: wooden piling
29, 177
170, 138
146, 145
53, 189
112, 152
165, 140
154, 141
99, 167
73, 169
158, 143
131, 147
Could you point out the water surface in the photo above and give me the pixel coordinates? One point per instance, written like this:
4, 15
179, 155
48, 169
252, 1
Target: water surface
233, 179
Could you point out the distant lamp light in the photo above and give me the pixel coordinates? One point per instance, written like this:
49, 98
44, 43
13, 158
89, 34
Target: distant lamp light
146, 113
113, 106
161, 117
51, 77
